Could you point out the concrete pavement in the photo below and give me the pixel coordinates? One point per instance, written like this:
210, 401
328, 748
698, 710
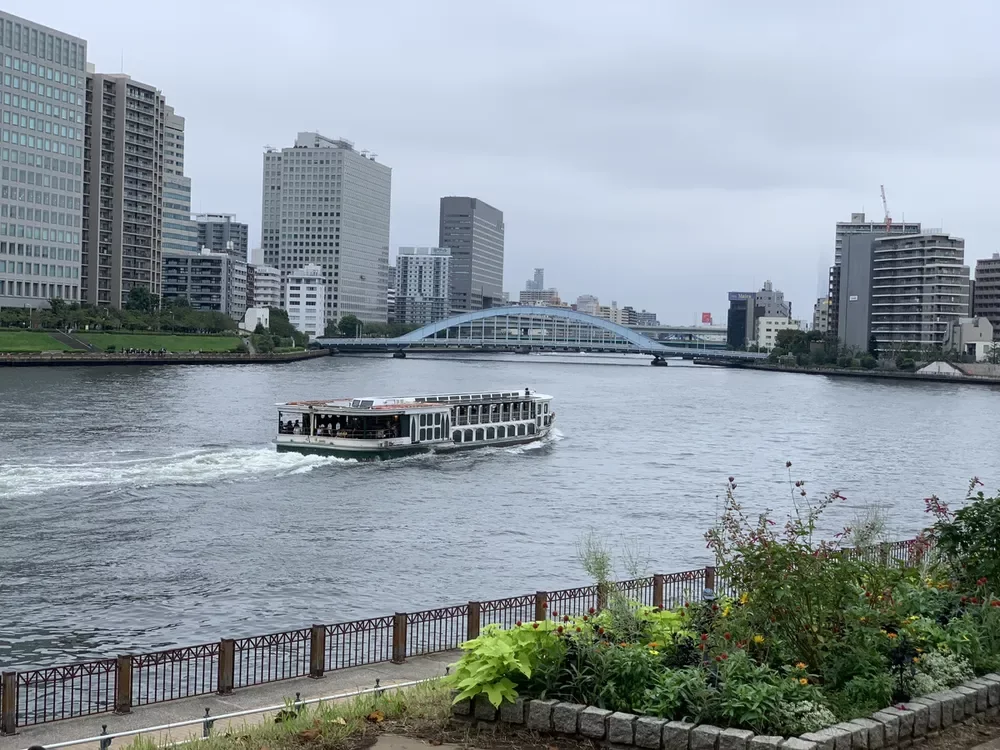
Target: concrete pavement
272, 694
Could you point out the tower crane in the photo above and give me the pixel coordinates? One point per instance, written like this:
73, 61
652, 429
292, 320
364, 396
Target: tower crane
885, 209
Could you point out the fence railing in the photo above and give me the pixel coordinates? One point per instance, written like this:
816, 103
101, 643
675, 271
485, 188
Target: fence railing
44, 695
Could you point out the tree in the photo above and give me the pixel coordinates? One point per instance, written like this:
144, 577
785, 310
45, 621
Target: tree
873, 346
349, 325
140, 300
259, 328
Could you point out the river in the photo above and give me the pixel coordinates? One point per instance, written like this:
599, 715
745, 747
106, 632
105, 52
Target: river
145, 507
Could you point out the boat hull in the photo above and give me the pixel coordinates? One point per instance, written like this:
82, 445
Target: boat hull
382, 453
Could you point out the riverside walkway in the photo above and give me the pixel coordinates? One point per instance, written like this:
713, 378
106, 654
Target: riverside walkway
270, 694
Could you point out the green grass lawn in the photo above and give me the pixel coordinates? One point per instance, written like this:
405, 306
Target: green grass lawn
30, 341
157, 341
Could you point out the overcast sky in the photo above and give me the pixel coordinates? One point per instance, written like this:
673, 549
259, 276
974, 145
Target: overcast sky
656, 153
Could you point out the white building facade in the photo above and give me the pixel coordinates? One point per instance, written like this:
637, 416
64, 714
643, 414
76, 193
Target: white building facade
305, 291
265, 289
422, 285
768, 328
326, 204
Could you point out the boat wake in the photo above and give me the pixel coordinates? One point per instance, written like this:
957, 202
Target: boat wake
198, 467
554, 436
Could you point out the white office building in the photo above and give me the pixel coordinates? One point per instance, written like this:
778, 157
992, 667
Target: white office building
423, 280
326, 204
768, 328
305, 290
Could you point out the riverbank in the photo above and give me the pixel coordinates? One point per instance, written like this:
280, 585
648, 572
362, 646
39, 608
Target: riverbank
872, 374
96, 359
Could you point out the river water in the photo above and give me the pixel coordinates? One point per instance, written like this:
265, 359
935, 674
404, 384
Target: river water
145, 507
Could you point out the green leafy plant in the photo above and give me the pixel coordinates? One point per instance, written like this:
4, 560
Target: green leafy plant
968, 539
495, 661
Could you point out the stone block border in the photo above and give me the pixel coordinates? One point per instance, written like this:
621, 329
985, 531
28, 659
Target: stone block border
893, 727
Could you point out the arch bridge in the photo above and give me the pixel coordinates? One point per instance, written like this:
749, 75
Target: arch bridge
529, 328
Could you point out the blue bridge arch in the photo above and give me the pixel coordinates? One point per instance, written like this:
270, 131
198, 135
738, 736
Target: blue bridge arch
532, 327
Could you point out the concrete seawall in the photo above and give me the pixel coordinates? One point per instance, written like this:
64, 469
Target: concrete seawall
875, 374
91, 359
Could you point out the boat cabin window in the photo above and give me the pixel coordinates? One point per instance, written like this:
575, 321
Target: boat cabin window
374, 427
290, 424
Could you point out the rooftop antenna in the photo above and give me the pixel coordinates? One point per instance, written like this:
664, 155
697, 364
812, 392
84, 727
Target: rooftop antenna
123, 60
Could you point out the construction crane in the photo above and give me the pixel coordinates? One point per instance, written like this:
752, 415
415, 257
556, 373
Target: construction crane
885, 208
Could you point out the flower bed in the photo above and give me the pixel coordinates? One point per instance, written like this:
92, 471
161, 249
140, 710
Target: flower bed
819, 635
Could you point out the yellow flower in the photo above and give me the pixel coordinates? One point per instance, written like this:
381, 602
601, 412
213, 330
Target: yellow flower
800, 665
744, 598
803, 681
864, 619
758, 639
920, 650
654, 652
726, 610
916, 659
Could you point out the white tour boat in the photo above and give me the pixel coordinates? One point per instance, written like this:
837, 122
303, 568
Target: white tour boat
369, 428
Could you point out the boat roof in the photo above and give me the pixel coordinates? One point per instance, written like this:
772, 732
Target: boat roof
410, 402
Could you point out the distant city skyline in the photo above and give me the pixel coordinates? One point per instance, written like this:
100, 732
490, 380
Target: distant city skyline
683, 206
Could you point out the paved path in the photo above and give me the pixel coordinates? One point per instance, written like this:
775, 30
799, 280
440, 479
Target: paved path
275, 693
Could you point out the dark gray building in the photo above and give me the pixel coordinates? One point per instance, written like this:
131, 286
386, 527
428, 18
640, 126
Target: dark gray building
854, 287
986, 292
474, 232
216, 231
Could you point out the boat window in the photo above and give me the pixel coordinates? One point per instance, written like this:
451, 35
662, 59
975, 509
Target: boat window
546, 408
531, 428
505, 413
520, 429
367, 404
437, 433
501, 432
491, 433
468, 436
457, 436
437, 419
479, 434
533, 409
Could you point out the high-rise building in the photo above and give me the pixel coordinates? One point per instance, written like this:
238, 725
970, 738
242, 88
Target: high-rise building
179, 231
263, 286
423, 282
213, 282
986, 299
122, 188
920, 286
904, 290
588, 304
536, 284
327, 205
303, 296
41, 163
646, 319
858, 225
746, 307
821, 315
390, 295
222, 234
473, 230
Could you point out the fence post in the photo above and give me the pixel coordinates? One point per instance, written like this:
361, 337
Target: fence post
473, 621
123, 693
227, 666
658, 585
399, 638
317, 651
709, 581
8, 704
541, 605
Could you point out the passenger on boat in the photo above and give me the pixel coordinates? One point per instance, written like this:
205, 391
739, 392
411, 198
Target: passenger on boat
296, 429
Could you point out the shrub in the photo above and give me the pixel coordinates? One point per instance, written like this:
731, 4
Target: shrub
868, 362
968, 540
681, 694
497, 657
804, 716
